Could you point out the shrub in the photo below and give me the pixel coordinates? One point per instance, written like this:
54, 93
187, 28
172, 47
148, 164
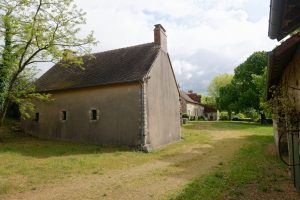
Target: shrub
201, 118
224, 116
184, 115
185, 120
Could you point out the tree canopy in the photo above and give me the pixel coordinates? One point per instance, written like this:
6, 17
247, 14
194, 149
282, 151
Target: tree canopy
218, 82
36, 31
246, 91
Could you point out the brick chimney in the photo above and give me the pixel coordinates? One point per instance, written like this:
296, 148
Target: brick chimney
160, 37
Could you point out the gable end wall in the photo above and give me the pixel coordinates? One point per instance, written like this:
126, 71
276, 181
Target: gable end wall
163, 106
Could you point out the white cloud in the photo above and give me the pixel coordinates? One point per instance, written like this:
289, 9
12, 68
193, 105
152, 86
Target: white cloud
205, 37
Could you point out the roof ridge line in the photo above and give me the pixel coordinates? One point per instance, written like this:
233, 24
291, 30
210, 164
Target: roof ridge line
123, 48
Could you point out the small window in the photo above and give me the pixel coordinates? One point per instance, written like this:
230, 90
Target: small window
37, 117
63, 115
93, 114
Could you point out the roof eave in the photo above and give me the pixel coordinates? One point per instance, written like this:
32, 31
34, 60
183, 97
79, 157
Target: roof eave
283, 53
87, 87
276, 13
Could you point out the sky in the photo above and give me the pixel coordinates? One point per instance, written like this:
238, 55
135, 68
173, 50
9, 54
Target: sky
205, 37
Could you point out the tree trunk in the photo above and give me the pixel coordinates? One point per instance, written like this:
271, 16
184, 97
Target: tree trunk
263, 119
3, 113
229, 115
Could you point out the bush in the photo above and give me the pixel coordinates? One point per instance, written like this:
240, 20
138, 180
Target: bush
240, 116
192, 118
184, 115
236, 119
201, 118
223, 116
185, 120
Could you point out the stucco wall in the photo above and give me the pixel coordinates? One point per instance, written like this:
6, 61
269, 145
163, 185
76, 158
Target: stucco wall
162, 103
211, 116
118, 123
194, 109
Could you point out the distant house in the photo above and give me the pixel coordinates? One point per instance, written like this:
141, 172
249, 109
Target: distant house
191, 105
284, 71
126, 96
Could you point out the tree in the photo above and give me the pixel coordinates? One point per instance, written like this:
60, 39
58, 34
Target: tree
208, 100
227, 99
35, 31
245, 80
218, 82
246, 91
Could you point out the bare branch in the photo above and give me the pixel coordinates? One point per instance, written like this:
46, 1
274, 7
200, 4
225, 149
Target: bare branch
41, 61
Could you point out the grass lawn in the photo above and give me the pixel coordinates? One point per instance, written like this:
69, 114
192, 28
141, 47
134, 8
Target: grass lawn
255, 171
29, 164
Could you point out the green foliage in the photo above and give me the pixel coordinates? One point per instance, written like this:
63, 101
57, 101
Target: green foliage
219, 81
185, 120
224, 116
208, 100
23, 92
46, 32
285, 110
251, 168
185, 115
240, 116
247, 90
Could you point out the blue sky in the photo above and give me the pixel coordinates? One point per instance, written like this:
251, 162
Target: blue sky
205, 37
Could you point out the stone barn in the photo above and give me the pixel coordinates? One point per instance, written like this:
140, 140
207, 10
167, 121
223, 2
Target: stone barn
126, 96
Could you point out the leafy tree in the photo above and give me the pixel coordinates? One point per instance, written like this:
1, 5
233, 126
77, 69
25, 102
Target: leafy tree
246, 91
250, 82
227, 99
208, 100
218, 82
31, 32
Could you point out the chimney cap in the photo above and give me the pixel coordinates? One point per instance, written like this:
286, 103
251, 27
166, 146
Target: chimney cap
160, 26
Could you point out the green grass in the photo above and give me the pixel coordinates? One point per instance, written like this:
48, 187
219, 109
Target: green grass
28, 163
251, 166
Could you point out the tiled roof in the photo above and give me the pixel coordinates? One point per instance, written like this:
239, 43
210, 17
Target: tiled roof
186, 97
110, 67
